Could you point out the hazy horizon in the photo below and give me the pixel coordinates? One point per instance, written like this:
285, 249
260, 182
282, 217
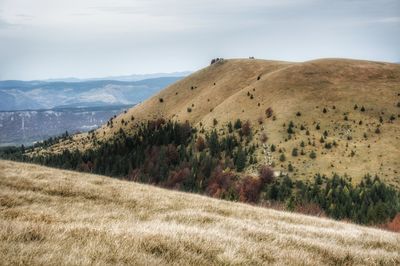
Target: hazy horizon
47, 39
124, 77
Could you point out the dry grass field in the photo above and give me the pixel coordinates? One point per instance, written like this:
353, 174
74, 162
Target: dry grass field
298, 92
56, 217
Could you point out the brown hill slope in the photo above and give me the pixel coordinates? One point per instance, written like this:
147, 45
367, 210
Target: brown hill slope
320, 92
55, 217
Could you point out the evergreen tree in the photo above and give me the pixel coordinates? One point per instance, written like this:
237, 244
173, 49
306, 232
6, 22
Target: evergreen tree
213, 143
240, 160
238, 124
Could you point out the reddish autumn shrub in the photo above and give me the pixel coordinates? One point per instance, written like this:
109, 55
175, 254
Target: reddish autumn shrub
393, 225
176, 178
151, 163
246, 128
184, 130
221, 184
249, 189
172, 154
134, 175
266, 174
156, 124
310, 209
85, 167
160, 122
152, 153
269, 112
200, 144
264, 138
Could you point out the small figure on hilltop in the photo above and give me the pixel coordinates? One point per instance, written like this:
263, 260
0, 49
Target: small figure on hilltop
215, 60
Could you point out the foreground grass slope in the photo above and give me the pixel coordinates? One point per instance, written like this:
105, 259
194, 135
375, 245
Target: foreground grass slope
49, 216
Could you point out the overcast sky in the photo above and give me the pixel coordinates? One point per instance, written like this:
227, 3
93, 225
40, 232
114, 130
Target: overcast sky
42, 39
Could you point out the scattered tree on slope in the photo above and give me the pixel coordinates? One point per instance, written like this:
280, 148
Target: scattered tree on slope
171, 154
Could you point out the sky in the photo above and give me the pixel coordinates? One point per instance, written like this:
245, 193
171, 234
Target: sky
42, 39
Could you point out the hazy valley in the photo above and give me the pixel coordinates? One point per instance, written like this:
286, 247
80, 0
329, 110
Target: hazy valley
32, 111
27, 127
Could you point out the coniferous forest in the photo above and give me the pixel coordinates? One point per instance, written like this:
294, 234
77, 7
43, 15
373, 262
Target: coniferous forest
175, 155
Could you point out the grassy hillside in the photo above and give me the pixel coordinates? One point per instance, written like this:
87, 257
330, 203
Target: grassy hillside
50, 216
354, 104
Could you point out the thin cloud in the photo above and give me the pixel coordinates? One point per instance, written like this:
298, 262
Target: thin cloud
119, 9
4, 24
389, 20
25, 16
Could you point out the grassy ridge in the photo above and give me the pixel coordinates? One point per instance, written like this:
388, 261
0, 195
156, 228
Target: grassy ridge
51, 216
353, 105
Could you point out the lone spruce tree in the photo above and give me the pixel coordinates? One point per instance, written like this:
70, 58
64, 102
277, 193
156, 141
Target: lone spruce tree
240, 161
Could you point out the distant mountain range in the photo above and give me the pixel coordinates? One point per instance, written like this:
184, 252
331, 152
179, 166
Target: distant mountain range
133, 77
34, 95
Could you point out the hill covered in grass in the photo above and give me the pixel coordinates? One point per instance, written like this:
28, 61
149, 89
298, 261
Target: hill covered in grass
318, 137
51, 216
344, 112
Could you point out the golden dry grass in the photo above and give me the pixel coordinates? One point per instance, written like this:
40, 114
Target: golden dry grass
220, 92
56, 217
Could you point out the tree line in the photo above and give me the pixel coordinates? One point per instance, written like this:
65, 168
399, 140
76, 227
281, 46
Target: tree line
175, 155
